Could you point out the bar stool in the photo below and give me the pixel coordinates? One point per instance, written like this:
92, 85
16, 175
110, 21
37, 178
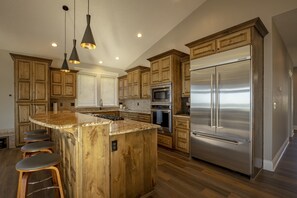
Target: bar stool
36, 138
42, 161
37, 147
36, 132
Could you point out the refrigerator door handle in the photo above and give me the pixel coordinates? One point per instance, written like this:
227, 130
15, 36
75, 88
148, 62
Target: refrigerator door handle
217, 99
211, 101
220, 139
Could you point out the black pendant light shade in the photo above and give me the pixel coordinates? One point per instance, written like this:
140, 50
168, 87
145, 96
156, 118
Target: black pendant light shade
74, 59
88, 41
65, 67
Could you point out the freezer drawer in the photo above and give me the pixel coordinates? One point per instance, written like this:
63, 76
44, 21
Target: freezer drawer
233, 155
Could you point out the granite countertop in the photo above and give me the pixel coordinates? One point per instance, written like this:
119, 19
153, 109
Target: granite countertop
182, 115
135, 111
129, 126
69, 120
66, 119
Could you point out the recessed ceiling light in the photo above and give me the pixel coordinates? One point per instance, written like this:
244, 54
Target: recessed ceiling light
100, 62
139, 35
54, 44
117, 58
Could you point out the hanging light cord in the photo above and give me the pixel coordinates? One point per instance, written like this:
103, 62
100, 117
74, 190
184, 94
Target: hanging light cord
65, 32
74, 19
88, 6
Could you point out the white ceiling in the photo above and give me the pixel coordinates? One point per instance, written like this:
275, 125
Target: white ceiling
286, 24
30, 26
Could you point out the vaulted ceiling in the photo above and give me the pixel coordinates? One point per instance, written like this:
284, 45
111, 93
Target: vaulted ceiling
30, 26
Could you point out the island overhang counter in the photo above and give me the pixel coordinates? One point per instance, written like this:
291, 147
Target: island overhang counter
103, 158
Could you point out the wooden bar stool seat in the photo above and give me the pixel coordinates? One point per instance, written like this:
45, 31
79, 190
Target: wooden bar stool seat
37, 147
42, 161
36, 132
36, 138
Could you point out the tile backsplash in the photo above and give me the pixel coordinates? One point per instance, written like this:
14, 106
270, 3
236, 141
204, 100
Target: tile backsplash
137, 104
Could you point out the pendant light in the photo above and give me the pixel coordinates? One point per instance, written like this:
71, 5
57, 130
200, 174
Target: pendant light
74, 59
88, 41
65, 67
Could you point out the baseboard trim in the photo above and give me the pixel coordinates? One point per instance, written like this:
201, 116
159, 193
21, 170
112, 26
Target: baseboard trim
271, 165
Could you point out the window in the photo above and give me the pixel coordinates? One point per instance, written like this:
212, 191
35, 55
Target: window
109, 90
87, 89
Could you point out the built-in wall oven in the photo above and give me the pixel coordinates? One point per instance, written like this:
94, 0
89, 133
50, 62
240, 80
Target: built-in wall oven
161, 107
162, 115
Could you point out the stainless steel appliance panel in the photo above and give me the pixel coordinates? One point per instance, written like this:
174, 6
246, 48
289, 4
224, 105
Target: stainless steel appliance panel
233, 106
231, 154
162, 115
203, 100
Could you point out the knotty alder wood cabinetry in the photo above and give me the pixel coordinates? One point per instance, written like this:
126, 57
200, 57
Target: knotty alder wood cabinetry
248, 33
182, 132
123, 87
186, 77
141, 117
135, 81
31, 91
166, 68
145, 84
63, 84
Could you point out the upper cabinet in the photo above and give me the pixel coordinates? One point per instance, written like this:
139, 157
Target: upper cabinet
186, 83
145, 84
230, 38
165, 67
63, 84
123, 87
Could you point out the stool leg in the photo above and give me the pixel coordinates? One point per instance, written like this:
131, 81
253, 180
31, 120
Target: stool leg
19, 184
55, 182
57, 175
23, 185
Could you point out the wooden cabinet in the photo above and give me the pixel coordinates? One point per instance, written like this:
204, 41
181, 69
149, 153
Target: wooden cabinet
31, 92
161, 70
63, 84
203, 49
165, 140
141, 117
145, 84
186, 81
182, 133
123, 87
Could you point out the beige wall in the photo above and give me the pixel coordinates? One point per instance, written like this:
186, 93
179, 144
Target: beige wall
295, 97
6, 88
216, 15
282, 65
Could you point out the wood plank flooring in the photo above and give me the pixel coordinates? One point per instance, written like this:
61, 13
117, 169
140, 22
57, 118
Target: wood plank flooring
182, 177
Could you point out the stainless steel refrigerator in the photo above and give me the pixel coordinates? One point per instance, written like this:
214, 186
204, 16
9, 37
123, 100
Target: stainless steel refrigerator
221, 109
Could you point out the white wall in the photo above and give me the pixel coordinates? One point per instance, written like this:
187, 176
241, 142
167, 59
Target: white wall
216, 15
6, 88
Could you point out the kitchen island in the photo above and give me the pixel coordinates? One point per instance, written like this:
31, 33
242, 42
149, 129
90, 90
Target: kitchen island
102, 158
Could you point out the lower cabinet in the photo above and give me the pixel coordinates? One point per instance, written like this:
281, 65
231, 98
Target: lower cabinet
141, 117
165, 140
182, 133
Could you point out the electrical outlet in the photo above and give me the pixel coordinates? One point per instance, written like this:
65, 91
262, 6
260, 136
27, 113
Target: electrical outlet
138, 104
114, 145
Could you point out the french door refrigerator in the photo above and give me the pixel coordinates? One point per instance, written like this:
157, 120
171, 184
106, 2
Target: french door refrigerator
221, 109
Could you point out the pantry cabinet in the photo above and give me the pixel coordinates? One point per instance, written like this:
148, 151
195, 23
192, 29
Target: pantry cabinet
31, 91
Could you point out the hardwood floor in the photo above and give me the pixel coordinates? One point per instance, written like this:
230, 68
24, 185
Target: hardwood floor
180, 176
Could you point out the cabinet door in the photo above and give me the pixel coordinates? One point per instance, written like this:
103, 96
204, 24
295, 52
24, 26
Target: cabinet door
56, 84
23, 124
234, 40
182, 140
155, 72
136, 84
145, 85
40, 81
203, 49
23, 75
130, 84
166, 69
69, 85
186, 79
126, 91
56, 77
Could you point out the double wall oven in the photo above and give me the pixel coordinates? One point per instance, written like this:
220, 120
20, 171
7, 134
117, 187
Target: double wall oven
161, 107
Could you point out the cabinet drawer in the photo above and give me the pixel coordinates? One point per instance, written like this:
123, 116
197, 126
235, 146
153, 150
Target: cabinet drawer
182, 146
234, 40
183, 123
203, 49
144, 118
182, 134
165, 140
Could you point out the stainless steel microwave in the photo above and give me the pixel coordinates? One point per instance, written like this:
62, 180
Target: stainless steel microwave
161, 93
